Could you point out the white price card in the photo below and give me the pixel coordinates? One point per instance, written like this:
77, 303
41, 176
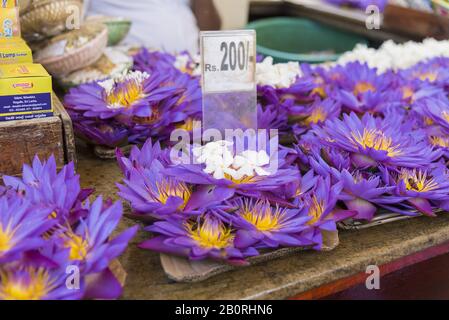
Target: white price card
228, 61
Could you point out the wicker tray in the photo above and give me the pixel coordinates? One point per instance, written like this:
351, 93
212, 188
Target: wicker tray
77, 59
46, 18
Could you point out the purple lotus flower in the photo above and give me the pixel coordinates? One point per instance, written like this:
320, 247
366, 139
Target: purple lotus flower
134, 107
361, 194
433, 71
424, 189
261, 225
317, 113
436, 111
21, 227
322, 208
90, 243
44, 187
299, 187
100, 132
47, 225
254, 185
372, 141
133, 95
143, 158
204, 237
414, 90
361, 89
149, 62
36, 283
152, 192
272, 117
327, 161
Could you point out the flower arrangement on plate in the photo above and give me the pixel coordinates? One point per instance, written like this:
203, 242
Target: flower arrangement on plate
226, 206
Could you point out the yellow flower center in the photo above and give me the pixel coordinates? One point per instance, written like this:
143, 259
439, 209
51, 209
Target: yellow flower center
319, 91
316, 210
6, 236
429, 76
186, 125
35, 286
428, 121
363, 87
417, 180
79, 247
439, 142
169, 188
262, 216
407, 93
318, 115
210, 234
244, 180
125, 95
376, 139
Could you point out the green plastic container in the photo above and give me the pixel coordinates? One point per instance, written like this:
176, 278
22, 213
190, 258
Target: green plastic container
296, 39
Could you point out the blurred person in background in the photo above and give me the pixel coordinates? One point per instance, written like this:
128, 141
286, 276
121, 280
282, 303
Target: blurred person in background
169, 25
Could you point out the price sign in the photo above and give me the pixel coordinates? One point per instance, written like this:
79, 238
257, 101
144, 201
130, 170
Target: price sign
229, 80
228, 61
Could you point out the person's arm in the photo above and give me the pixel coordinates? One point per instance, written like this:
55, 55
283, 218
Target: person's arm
206, 14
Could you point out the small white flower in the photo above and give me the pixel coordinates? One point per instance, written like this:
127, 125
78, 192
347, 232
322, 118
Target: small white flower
181, 62
211, 150
109, 84
281, 75
217, 157
250, 163
221, 163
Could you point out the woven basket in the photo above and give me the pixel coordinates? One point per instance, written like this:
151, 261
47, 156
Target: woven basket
78, 58
24, 4
46, 18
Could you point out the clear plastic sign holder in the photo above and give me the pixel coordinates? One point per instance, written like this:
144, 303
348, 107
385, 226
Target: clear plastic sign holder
229, 80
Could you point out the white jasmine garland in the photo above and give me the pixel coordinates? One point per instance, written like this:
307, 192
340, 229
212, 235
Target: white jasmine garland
281, 75
393, 56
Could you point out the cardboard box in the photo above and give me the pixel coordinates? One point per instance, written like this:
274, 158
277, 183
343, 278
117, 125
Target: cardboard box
25, 92
9, 23
9, 3
15, 51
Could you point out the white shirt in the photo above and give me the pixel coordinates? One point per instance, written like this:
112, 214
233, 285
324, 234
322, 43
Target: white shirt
167, 25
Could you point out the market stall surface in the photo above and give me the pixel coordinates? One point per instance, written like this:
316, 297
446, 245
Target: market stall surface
283, 278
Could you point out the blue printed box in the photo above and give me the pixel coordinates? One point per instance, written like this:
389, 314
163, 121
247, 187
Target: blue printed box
25, 92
